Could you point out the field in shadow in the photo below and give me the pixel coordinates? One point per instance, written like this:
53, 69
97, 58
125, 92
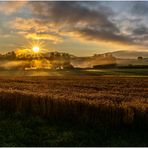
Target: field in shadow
21, 130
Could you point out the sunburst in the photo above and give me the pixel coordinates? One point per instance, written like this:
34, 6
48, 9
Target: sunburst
33, 49
36, 49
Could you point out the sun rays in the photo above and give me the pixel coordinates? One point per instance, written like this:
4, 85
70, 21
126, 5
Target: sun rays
33, 49
36, 49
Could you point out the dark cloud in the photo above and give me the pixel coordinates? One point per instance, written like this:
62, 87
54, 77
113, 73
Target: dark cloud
72, 13
141, 30
104, 35
81, 19
89, 20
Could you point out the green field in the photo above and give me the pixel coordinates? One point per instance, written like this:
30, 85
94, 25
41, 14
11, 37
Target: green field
85, 72
117, 72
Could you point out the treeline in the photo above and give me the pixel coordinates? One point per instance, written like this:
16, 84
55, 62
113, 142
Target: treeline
53, 60
49, 55
133, 67
110, 66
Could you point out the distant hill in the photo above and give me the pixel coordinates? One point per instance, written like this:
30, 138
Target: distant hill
121, 58
124, 54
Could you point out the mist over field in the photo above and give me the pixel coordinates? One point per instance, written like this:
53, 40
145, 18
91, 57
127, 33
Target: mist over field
58, 61
73, 73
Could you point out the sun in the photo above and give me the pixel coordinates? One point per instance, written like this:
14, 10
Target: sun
36, 49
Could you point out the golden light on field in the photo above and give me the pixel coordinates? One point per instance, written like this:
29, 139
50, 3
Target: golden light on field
36, 49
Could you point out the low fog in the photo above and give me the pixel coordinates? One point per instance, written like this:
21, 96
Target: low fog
11, 63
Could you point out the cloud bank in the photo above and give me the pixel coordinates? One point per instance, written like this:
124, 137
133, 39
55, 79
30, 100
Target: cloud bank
89, 21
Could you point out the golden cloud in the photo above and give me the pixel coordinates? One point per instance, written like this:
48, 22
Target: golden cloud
35, 29
11, 6
55, 39
28, 25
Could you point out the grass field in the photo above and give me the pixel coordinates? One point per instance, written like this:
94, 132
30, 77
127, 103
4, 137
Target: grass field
88, 107
117, 72
78, 72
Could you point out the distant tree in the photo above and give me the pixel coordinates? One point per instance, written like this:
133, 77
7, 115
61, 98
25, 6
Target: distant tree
140, 58
10, 55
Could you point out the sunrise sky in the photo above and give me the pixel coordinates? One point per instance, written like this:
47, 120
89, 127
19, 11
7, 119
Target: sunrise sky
79, 28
